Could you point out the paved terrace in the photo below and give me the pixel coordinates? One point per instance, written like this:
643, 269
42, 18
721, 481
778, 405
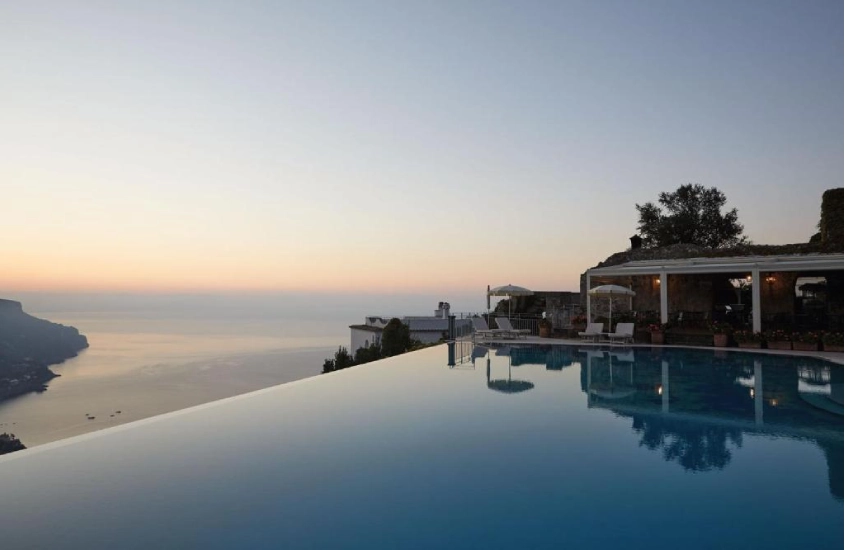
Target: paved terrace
832, 356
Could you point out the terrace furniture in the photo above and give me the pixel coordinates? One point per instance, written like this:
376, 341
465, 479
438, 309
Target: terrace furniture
592, 332
624, 333
505, 324
480, 328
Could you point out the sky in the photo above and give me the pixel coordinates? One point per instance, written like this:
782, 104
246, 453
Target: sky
396, 147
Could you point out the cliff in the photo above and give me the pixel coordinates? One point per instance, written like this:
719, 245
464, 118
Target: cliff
28, 345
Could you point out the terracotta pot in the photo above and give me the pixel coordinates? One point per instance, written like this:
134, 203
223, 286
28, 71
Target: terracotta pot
805, 346
749, 345
657, 338
829, 347
545, 331
720, 340
780, 345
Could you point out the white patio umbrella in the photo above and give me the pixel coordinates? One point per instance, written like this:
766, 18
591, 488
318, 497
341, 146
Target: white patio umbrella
509, 291
610, 291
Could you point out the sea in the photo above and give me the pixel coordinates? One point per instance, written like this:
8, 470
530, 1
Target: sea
151, 354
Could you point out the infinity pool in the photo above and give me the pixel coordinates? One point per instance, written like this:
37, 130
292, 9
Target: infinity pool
468, 447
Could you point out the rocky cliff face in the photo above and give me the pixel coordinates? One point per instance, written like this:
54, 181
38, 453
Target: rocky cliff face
28, 345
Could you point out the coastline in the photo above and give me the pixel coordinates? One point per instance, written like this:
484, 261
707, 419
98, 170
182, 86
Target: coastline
29, 346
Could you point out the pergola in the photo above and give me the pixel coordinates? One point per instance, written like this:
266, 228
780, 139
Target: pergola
753, 265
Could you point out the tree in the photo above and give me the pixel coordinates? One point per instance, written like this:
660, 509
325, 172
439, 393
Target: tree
690, 215
395, 338
341, 360
9, 443
368, 354
830, 223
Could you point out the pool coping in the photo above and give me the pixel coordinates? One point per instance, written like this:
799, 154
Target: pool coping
837, 358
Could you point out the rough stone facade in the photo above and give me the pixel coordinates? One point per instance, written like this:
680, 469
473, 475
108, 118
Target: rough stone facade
560, 307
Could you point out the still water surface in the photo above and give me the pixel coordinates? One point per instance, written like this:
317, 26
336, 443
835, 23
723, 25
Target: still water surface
140, 366
500, 447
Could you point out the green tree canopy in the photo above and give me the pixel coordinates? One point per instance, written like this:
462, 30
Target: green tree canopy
395, 338
9, 443
691, 215
342, 360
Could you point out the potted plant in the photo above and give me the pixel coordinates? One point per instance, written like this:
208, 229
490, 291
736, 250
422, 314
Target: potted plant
579, 324
658, 333
545, 327
832, 341
749, 339
721, 333
778, 339
805, 341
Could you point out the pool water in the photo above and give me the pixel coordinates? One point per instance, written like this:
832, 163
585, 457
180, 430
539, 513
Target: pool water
463, 447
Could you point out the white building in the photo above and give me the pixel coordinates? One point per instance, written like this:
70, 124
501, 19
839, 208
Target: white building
425, 329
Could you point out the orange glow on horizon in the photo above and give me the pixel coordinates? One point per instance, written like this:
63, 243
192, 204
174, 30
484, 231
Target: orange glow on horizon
117, 279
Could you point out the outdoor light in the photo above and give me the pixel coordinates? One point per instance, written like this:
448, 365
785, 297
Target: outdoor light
657, 280
770, 279
748, 278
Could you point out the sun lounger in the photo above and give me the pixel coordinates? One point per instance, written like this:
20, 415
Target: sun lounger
480, 328
592, 332
624, 333
505, 325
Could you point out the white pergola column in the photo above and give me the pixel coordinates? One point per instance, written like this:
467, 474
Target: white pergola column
664, 297
589, 310
758, 393
756, 320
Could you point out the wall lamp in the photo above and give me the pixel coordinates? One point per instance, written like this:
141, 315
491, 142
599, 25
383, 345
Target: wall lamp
770, 279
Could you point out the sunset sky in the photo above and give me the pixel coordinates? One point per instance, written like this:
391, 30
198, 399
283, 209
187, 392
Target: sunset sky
396, 146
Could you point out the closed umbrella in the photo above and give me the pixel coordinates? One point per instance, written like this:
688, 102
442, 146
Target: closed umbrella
509, 291
610, 291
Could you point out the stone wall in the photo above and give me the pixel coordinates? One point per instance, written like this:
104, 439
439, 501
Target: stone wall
560, 306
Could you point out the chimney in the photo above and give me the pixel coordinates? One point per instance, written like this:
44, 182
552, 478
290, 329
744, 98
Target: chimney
636, 242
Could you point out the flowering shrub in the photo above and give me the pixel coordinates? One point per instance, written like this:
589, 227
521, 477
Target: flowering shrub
659, 327
806, 337
721, 328
777, 336
832, 338
748, 336
579, 320
647, 318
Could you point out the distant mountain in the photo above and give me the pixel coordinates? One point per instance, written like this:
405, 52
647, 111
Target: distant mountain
28, 345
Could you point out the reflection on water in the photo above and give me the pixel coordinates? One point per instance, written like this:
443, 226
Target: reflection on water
607, 449
694, 406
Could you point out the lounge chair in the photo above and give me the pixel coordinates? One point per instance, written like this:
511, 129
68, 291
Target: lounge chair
624, 333
592, 332
505, 325
480, 328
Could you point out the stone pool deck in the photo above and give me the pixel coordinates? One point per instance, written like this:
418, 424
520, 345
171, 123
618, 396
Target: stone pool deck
832, 356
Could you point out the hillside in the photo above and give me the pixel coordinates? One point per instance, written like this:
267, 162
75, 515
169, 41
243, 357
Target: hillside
28, 346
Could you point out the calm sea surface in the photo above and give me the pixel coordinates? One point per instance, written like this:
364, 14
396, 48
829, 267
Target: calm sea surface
143, 365
154, 353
